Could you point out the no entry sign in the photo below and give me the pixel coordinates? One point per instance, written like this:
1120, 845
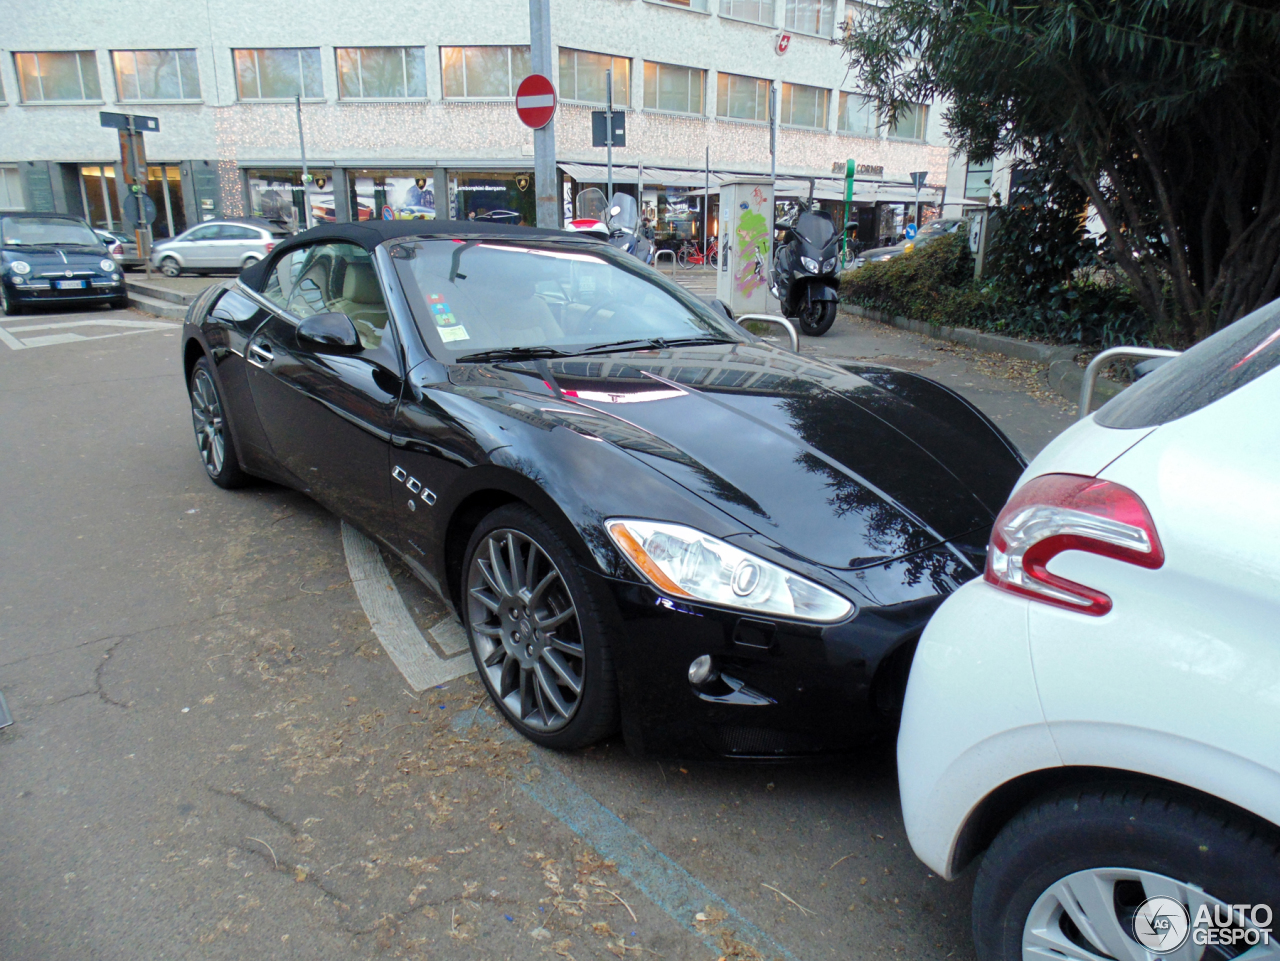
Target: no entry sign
535, 101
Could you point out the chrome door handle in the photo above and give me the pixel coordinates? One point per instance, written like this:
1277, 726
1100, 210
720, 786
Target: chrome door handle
260, 355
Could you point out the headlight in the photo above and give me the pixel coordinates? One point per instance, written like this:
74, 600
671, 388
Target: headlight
828, 265
809, 265
20, 267
684, 562
107, 266
885, 257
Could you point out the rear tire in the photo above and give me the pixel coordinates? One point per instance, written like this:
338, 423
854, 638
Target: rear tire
170, 267
1095, 854
817, 318
213, 430
714, 258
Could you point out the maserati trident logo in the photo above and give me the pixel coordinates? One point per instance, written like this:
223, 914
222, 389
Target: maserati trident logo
1161, 925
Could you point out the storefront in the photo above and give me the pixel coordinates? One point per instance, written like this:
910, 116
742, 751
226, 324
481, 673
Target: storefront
100, 197
278, 195
391, 194
493, 195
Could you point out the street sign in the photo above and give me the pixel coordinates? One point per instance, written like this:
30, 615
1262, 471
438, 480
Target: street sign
130, 208
535, 101
600, 128
918, 179
911, 231
120, 121
388, 213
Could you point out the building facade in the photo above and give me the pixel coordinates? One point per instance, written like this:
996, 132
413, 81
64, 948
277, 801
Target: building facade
408, 110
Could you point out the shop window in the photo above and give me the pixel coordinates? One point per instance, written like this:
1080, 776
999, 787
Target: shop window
742, 98
58, 77
483, 72
156, 75
804, 106
977, 180
911, 122
754, 11
281, 197
811, 16
504, 198
675, 89
392, 194
11, 189
279, 74
582, 77
858, 115
382, 73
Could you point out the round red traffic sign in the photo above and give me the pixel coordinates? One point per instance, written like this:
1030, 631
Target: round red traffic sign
535, 101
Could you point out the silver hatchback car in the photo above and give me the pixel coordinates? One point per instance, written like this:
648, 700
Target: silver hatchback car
216, 245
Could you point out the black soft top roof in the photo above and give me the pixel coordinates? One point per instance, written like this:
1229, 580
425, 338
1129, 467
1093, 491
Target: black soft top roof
370, 233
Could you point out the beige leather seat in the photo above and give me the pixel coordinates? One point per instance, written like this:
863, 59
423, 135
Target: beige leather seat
362, 301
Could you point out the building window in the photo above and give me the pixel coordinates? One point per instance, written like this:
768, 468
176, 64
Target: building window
977, 180
742, 98
855, 14
60, 77
382, 73
858, 115
674, 89
483, 72
279, 74
811, 16
582, 77
804, 106
2, 90
753, 11
699, 5
911, 122
156, 75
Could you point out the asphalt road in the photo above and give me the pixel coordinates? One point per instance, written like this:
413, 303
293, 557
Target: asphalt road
213, 757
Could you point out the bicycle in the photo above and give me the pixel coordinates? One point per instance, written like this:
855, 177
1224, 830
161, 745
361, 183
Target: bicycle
689, 255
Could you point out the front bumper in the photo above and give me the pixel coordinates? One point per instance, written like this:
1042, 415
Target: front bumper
42, 291
809, 689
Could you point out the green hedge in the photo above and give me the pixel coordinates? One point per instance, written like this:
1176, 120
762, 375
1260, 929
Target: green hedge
934, 283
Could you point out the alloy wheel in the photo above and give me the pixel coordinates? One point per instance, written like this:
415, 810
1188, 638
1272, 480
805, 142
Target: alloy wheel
206, 416
1090, 916
526, 630
170, 267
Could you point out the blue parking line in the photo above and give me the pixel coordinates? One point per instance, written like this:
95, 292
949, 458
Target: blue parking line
662, 881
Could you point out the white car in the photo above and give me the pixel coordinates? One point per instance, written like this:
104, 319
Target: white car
1097, 720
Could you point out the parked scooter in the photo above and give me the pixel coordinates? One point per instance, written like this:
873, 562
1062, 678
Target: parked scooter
625, 230
804, 279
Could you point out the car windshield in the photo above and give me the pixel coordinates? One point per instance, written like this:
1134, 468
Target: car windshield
472, 297
815, 227
41, 231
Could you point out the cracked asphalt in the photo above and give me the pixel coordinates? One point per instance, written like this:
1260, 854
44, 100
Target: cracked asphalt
213, 758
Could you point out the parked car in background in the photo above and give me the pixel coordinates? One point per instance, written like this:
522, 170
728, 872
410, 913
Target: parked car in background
217, 245
1098, 719
122, 247
929, 231
54, 258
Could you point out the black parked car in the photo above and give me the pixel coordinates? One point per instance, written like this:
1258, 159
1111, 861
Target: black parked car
55, 258
642, 514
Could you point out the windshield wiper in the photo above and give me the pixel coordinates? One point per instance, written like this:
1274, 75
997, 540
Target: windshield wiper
510, 353
654, 343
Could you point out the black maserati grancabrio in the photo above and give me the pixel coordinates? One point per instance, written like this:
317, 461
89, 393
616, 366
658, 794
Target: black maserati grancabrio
645, 516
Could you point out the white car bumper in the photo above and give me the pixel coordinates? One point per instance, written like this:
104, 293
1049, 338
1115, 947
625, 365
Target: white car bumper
972, 719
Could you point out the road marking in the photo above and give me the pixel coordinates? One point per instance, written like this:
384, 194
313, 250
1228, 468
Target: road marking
393, 625
669, 886
68, 337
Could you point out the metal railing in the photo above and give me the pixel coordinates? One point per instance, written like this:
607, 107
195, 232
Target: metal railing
1095, 368
657, 259
776, 319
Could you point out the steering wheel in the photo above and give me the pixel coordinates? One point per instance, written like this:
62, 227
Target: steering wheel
584, 325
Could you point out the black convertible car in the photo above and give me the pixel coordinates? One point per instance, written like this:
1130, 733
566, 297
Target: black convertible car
643, 515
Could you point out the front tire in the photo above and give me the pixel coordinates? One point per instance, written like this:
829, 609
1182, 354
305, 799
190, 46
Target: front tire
817, 317
536, 631
1066, 877
213, 435
682, 258
8, 303
170, 267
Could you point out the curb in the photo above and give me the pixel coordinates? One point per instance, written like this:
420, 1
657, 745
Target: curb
1063, 374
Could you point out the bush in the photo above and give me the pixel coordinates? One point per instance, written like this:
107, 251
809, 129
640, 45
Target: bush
934, 283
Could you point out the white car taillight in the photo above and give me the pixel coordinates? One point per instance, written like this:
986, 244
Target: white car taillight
1067, 512
270, 246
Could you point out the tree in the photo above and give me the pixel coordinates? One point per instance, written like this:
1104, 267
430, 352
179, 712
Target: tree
1166, 113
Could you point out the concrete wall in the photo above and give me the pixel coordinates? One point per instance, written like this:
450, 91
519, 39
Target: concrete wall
431, 132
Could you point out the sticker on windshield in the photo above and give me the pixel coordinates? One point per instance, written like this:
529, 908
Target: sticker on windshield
456, 332
440, 311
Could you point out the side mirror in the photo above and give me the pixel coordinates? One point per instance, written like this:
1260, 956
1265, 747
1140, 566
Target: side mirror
721, 308
330, 333
614, 211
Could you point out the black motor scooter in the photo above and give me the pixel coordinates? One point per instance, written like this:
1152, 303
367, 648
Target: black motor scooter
804, 271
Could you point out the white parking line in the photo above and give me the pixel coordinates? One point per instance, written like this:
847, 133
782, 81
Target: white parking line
8, 338
421, 666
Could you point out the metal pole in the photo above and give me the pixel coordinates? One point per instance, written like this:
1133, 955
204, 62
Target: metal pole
917, 205
306, 175
135, 198
608, 133
773, 135
706, 208
550, 215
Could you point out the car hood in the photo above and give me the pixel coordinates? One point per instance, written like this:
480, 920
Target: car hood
842, 466
57, 259
881, 251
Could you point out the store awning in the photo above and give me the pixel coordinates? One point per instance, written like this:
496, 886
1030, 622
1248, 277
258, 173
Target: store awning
627, 174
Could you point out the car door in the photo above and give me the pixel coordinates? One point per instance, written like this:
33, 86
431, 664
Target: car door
328, 417
196, 248
235, 241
